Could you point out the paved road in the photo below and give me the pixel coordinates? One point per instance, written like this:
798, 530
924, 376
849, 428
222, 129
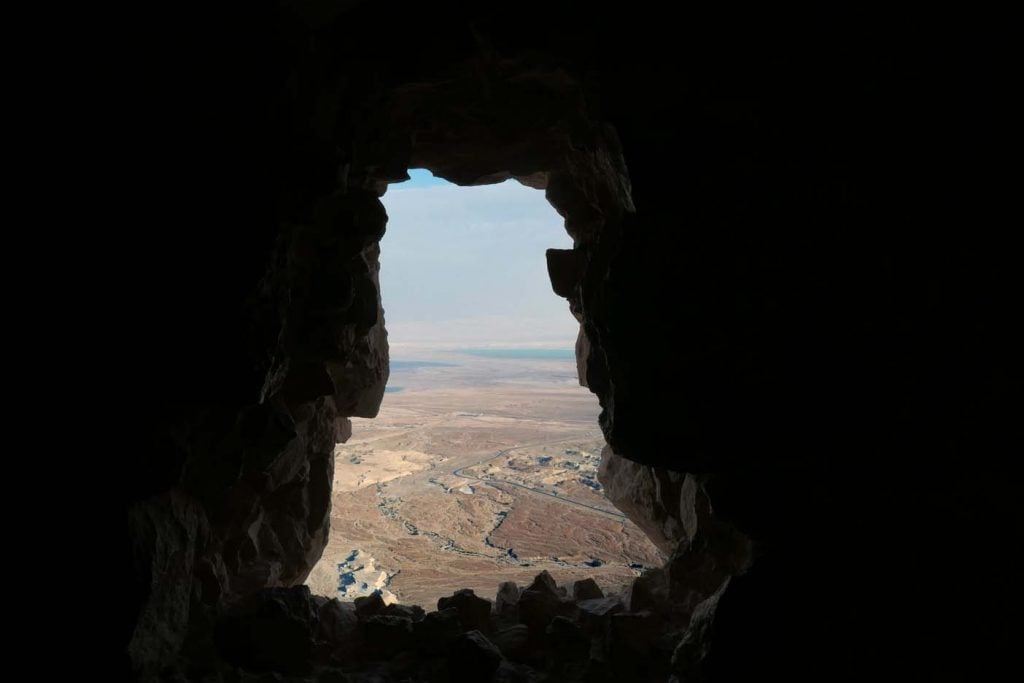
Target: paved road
568, 501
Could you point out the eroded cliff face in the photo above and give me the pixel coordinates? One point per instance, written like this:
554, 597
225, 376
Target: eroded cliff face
760, 324
659, 501
247, 501
247, 509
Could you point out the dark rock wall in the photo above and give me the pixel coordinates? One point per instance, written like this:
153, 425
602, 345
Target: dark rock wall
792, 306
261, 333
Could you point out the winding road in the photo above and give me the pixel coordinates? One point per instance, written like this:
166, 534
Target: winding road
458, 472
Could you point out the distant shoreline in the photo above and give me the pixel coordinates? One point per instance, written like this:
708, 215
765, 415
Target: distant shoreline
523, 352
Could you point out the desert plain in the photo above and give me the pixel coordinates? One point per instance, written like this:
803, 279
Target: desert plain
481, 467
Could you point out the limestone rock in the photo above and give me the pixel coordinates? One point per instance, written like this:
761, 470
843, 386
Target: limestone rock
359, 576
649, 496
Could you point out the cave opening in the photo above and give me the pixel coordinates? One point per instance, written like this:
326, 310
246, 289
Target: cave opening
481, 465
808, 251
260, 484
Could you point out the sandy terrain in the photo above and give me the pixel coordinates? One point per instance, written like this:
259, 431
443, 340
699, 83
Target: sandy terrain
476, 472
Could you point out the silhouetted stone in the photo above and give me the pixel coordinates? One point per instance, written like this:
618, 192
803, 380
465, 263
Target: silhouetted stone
538, 608
474, 612
507, 601
514, 672
694, 645
564, 270
593, 614
165, 531
273, 630
437, 631
586, 589
411, 612
566, 641
633, 642
473, 658
513, 641
369, 605
342, 429
388, 635
338, 621
332, 676
650, 591
544, 583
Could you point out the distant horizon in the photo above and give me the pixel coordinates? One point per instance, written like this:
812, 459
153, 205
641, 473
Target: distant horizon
456, 345
407, 356
465, 267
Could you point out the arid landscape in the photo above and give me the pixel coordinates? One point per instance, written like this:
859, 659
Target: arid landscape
480, 468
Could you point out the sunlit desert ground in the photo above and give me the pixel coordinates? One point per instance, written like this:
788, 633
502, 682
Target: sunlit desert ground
477, 470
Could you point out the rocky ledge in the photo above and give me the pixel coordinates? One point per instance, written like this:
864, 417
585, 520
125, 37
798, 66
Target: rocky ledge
543, 632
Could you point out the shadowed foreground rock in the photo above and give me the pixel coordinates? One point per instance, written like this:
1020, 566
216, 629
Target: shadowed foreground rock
309, 638
474, 612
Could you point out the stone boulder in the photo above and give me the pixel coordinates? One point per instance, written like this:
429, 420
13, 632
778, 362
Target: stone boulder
506, 603
539, 602
657, 500
473, 658
273, 630
514, 642
369, 605
387, 634
411, 612
437, 631
566, 641
595, 614
474, 612
337, 619
586, 589
634, 639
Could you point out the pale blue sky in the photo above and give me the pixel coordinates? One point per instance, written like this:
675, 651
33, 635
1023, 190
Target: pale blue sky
465, 265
